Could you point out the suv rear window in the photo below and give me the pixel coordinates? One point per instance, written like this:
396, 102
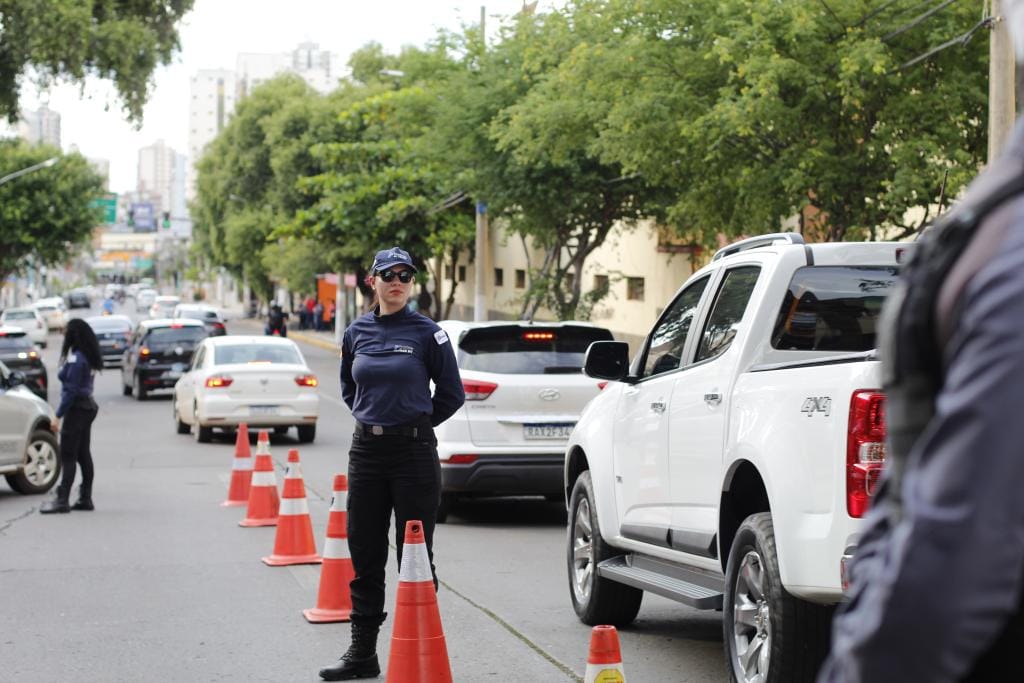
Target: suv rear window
14, 342
176, 335
519, 350
833, 308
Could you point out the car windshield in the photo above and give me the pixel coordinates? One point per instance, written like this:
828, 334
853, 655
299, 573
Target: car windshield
516, 350
198, 313
228, 354
19, 315
176, 335
14, 342
109, 324
833, 308
45, 309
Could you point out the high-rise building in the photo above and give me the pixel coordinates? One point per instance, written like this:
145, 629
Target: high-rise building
213, 100
40, 126
102, 167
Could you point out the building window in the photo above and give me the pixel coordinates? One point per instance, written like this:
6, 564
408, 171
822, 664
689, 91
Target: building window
570, 280
447, 271
520, 279
635, 288
499, 277
462, 273
601, 284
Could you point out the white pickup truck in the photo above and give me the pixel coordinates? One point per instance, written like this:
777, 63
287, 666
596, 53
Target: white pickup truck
728, 466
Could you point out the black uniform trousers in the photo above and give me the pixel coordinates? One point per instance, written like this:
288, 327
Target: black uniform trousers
75, 435
385, 473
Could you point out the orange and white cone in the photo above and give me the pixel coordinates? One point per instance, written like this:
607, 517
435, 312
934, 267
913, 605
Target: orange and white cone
334, 601
294, 542
418, 650
263, 500
604, 664
241, 470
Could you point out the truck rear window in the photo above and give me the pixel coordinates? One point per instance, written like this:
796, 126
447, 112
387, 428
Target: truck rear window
517, 350
833, 308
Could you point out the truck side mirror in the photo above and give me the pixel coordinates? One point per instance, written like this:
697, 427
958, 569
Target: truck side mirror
607, 360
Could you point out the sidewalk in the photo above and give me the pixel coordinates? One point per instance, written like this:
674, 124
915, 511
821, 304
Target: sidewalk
323, 340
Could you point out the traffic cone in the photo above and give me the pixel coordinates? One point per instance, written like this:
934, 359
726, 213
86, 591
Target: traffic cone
294, 542
241, 470
263, 501
418, 650
604, 664
334, 601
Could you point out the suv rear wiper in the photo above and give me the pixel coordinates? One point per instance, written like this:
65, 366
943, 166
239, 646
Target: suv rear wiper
562, 369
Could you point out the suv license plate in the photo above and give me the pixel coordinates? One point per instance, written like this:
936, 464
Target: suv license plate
547, 431
263, 410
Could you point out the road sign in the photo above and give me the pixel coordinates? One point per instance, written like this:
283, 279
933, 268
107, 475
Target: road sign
108, 203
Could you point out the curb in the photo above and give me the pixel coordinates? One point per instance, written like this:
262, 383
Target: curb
296, 336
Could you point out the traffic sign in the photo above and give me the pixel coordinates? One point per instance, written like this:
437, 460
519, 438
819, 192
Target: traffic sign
108, 203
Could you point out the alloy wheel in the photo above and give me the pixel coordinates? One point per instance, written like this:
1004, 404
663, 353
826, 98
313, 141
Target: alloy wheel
42, 462
582, 552
752, 628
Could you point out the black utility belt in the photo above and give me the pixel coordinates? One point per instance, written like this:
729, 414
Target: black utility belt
419, 429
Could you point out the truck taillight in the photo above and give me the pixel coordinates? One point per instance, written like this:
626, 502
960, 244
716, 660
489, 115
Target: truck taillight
477, 390
865, 449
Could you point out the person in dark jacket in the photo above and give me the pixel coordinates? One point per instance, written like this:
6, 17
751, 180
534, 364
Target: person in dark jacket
80, 360
389, 357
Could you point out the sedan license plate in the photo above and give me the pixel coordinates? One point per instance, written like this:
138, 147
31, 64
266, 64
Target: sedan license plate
263, 410
547, 431
176, 370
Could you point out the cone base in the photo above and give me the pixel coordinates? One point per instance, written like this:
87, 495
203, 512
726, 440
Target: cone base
420, 660
259, 522
283, 560
234, 503
326, 616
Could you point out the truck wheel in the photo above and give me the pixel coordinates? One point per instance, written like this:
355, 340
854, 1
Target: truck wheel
770, 636
42, 466
596, 600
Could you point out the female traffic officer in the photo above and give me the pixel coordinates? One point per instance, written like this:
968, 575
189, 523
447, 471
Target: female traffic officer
80, 359
389, 356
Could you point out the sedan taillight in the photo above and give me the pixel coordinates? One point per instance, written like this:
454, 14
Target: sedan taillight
218, 381
307, 380
477, 390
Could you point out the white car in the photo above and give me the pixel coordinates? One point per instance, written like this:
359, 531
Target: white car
525, 390
163, 306
29, 451
53, 311
262, 381
144, 298
28, 319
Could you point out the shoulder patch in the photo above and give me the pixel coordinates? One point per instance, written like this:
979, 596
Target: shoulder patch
441, 337
72, 358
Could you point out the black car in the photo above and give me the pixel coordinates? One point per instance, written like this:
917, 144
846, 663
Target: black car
19, 353
207, 314
77, 298
159, 353
114, 332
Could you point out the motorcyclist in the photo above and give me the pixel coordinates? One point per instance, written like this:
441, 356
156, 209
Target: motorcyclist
276, 324
108, 306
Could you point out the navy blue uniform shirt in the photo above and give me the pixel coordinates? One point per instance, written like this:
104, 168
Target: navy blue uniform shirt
76, 381
387, 363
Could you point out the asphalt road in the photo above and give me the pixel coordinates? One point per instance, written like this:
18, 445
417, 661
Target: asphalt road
161, 583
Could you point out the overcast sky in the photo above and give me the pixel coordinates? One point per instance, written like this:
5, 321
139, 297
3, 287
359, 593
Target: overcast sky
214, 33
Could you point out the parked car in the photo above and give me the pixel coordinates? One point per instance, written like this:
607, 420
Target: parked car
262, 381
144, 298
77, 298
209, 316
28, 319
729, 464
53, 311
29, 451
525, 390
114, 332
163, 306
19, 353
158, 354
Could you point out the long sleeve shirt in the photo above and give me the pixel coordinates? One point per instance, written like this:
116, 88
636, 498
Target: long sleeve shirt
76, 377
387, 364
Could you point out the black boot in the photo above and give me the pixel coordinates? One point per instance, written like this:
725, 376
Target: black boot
84, 501
360, 661
58, 504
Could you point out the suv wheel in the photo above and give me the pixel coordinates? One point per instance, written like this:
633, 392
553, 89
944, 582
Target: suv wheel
42, 467
770, 636
181, 427
596, 600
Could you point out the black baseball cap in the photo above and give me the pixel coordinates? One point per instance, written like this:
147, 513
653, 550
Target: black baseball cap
391, 257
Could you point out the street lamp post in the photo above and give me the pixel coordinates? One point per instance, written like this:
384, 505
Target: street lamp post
34, 167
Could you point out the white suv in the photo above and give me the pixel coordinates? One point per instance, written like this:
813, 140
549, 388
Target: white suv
525, 390
29, 452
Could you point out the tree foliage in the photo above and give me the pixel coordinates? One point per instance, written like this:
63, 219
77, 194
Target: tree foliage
50, 40
45, 212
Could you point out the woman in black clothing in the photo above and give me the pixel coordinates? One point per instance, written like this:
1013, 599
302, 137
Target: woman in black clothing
80, 360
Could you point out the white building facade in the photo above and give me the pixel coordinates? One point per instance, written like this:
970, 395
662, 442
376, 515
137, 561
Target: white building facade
40, 126
211, 103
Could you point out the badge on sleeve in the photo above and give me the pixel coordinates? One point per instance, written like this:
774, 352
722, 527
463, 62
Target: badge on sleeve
441, 337
72, 358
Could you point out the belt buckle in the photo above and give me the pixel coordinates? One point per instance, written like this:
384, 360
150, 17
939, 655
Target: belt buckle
377, 430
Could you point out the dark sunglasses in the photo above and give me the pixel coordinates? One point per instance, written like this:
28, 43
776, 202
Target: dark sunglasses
404, 276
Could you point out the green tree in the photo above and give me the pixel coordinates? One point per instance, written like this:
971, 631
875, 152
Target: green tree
45, 212
51, 40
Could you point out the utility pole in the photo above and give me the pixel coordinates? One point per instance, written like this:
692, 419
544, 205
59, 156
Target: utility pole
479, 286
1001, 82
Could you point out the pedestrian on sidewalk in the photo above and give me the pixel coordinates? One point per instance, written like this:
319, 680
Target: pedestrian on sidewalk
318, 316
309, 306
389, 356
80, 360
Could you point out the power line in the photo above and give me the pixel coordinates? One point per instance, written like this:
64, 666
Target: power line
961, 40
917, 20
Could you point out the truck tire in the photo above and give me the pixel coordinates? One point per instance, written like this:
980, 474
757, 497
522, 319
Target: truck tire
770, 636
596, 600
42, 468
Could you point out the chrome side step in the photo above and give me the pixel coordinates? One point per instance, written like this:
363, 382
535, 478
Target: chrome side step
691, 587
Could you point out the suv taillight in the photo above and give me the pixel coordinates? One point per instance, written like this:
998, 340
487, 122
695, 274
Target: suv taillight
865, 449
477, 390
